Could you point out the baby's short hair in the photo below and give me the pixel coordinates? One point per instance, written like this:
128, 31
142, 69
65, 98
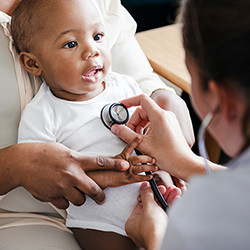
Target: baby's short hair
24, 23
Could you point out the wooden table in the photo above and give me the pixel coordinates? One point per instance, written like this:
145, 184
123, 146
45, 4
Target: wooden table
164, 50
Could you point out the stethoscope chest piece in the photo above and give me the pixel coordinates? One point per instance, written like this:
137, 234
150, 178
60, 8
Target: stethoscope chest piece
114, 113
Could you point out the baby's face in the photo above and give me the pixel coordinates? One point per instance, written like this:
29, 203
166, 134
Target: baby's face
71, 50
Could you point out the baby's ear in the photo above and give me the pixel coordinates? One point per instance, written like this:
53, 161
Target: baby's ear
29, 63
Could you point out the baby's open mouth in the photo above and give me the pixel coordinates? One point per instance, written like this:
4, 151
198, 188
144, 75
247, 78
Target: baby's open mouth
92, 74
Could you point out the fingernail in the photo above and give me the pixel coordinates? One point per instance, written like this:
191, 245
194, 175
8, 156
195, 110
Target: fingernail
115, 129
144, 185
124, 165
101, 202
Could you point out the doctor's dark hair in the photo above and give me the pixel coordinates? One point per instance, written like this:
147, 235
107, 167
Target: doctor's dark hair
216, 37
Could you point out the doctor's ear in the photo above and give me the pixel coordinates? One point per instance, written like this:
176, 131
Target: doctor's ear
225, 101
215, 95
29, 63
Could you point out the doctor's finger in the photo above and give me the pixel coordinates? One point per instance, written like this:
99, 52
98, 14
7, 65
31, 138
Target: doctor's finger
138, 121
147, 104
161, 188
172, 193
139, 100
125, 133
147, 195
180, 184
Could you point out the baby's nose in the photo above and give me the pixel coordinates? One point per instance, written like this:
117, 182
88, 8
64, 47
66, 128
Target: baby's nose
89, 52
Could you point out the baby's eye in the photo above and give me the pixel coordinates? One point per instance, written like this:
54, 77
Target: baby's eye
98, 37
70, 45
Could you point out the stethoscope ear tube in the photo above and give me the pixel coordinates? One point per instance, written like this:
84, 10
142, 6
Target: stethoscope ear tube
155, 189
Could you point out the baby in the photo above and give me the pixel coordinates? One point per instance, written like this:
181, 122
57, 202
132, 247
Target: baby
63, 41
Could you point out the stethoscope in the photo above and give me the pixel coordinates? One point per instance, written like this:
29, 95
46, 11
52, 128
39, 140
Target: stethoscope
201, 141
117, 113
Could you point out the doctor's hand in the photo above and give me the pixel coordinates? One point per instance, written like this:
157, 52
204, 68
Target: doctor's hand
53, 173
147, 224
172, 102
164, 140
172, 192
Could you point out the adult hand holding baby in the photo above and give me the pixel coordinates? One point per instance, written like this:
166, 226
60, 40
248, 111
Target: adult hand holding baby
53, 173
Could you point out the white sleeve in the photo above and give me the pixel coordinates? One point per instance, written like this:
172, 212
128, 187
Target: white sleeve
35, 125
127, 56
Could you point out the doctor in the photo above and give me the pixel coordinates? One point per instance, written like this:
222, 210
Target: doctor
214, 213
49, 171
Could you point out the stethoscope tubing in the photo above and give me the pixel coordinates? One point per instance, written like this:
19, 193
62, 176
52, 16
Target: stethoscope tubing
155, 188
108, 116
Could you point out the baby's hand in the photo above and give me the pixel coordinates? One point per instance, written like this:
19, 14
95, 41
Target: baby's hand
138, 164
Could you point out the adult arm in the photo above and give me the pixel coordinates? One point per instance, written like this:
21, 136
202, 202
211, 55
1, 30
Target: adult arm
164, 141
53, 173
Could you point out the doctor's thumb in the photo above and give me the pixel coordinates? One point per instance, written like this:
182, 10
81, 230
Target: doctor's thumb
146, 194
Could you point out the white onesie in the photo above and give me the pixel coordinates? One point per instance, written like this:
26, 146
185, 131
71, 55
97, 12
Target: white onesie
78, 126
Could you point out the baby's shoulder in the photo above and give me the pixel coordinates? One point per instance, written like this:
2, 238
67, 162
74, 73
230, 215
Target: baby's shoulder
41, 100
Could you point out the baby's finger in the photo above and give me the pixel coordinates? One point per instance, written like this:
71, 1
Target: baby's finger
137, 159
140, 178
128, 150
143, 168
